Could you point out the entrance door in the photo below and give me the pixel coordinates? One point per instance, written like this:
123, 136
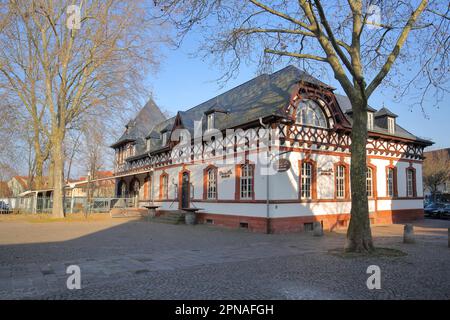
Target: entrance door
185, 190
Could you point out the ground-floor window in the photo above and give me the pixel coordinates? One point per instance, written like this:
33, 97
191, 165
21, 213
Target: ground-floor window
246, 181
306, 180
410, 182
369, 182
164, 187
340, 182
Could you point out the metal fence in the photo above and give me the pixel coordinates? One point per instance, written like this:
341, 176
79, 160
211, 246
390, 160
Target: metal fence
71, 205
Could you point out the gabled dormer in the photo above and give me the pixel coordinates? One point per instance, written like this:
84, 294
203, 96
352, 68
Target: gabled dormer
385, 119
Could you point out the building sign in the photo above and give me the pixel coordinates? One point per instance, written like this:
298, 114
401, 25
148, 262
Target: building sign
225, 174
326, 172
282, 165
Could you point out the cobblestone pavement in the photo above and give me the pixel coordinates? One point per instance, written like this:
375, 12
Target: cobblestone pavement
129, 259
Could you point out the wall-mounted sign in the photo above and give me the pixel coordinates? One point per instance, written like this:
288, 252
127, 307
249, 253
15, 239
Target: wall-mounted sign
326, 172
282, 165
225, 174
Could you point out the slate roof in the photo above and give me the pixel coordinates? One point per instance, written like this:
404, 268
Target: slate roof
385, 112
263, 96
148, 117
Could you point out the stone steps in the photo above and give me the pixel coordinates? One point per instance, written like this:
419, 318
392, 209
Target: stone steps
169, 216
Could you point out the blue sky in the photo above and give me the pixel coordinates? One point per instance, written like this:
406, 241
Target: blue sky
183, 82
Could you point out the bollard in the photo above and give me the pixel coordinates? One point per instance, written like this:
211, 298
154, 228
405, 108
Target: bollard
408, 234
317, 229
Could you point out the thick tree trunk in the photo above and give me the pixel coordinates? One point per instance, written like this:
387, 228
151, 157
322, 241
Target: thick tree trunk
58, 176
359, 236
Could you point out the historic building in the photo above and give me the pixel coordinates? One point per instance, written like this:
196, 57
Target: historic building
270, 155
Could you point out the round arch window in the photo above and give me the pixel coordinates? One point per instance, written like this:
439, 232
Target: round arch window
309, 113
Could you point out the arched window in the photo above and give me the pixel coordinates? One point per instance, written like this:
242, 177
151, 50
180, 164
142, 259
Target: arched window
391, 181
244, 181
410, 182
340, 182
308, 187
164, 186
309, 113
369, 182
211, 186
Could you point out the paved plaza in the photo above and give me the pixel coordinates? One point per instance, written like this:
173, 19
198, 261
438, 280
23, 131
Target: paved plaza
134, 259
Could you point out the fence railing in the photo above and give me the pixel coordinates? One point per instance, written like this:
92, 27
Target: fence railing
71, 205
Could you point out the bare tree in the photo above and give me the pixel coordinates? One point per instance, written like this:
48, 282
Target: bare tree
436, 170
97, 66
362, 49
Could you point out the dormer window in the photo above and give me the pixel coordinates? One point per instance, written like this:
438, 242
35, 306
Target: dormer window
369, 120
210, 121
164, 138
391, 125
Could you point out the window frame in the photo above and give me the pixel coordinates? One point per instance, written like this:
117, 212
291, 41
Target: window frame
250, 181
411, 170
394, 192
391, 124
370, 120
164, 186
211, 169
345, 181
312, 177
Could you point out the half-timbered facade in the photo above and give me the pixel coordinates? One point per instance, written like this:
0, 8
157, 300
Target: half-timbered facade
271, 155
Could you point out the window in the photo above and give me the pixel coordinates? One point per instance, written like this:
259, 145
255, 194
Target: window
369, 120
210, 121
391, 124
164, 193
309, 113
164, 138
410, 182
340, 182
369, 182
390, 180
306, 180
148, 144
211, 184
246, 181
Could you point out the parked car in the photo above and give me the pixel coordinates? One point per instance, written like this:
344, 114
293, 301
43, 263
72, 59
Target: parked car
4, 207
446, 212
435, 210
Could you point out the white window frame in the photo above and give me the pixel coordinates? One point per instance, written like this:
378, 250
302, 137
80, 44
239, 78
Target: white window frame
391, 124
164, 138
409, 183
165, 187
306, 187
390, 182
210, 119
211, 187
369, 182
340, 182
369, 120
246, 182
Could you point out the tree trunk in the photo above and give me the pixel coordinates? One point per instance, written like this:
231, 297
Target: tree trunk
359, 236
58, 175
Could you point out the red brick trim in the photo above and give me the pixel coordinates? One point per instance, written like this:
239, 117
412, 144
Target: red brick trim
296, 224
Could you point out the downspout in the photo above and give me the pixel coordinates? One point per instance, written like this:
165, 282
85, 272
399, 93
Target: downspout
265, 126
